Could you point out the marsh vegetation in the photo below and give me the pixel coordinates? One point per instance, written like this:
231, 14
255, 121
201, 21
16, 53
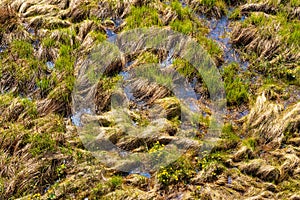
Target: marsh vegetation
43, 45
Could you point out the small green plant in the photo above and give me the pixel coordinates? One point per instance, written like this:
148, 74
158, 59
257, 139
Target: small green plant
291, 185
30, 107
179, 171
44, 84
208, 2
147, 57
65, 62
250, 142
185, 68
181, 12
2, 187
41, 143
229, 133
98, 36
220, 4
211, 158
48, 42
68, 37
99, 190
185, 26
157, 153
256, 19
144, 16
236, 14
115, 182
61, 170
36, 196
294, 3
210, 46
236, 88
23, 49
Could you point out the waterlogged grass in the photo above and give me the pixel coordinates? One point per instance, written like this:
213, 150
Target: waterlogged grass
185, 68
235, 86
44, 137
154, 74
147, 57
65, 65
287, 30
278, 4
144, 16
212, 3
284, 32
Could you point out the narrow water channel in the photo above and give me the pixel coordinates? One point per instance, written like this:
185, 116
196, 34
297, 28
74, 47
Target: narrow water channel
220, 32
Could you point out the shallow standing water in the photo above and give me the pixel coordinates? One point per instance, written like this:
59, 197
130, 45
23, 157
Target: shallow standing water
220, 32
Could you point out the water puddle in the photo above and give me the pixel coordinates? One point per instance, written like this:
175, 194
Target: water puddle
168, 61
29, 29
137, 171
184, 91
36, 44
183, 3
111, 35
76, 118
243, 113
110, 32
50, 65
117, 22
243, 18
220, 32
2, 48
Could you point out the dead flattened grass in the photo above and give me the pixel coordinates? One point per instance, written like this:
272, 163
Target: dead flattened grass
249, 37
31, 155
270, 122
30, 147
9, 21
6, 15
211, 8
269, 31
147, 91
